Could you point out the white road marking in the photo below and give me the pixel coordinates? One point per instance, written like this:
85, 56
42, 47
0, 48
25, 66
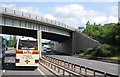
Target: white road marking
9, 60
3, 71
41, 72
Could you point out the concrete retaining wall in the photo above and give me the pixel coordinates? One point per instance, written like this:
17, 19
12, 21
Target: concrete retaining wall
78, 42
82, 42
65, 46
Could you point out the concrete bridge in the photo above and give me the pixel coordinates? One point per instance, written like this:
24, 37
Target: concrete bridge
70, 40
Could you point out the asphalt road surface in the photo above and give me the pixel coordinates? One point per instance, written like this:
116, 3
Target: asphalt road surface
102, 66
9, 69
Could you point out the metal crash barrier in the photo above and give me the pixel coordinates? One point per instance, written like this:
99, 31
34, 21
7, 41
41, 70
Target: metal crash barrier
60, 70
81, 70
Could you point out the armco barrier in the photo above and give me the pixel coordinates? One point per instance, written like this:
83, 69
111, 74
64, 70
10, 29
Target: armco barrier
59, 69
72, 67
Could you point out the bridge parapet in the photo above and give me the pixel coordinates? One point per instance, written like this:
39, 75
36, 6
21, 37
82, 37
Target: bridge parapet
9, 11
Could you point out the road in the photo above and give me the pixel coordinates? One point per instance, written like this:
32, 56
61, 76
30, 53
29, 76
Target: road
11, 71
102, 66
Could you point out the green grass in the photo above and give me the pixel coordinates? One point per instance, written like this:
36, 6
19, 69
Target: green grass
115, 58
105, 59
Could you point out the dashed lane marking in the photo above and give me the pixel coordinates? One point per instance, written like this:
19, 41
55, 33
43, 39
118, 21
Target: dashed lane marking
3, 71
41, 72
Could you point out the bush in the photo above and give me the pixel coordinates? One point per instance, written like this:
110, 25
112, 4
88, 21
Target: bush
115, 51
81, 55
90, 57
104, 50
90, 50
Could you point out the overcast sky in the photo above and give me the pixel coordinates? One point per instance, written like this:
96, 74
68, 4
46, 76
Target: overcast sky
74, 14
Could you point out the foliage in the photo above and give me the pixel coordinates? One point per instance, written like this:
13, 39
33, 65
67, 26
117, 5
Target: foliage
108, 35
104, 50
90, 50
104, 33
12, 41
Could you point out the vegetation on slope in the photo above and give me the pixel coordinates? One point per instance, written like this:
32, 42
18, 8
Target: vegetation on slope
108, 35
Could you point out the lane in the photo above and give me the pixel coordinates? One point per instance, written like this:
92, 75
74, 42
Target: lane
11, 71
0, 67
1, 55
23, 73
103, 66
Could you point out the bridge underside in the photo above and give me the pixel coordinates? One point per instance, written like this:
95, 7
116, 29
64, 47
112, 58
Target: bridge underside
33, 33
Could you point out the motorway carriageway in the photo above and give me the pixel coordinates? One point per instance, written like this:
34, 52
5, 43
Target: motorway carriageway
11, 71
101, 66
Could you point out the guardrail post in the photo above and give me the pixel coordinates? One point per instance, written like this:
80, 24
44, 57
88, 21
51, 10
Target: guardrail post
105, 75
80, 69
58, 62
48, 64
63, 72
49, 58
51, 66
58, 70
64, 63
94, 73
69, 75
71, 66
54, 67
53, 60
74, 66
85, 71
68, 65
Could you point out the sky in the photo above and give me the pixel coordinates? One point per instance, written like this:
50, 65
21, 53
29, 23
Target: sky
75, 14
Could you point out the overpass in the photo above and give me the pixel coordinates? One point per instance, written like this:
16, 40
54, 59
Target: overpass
15, 22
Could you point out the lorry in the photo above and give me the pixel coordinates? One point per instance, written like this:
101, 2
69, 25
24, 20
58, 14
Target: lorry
3, 47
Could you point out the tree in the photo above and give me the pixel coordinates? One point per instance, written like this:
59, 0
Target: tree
12, 41
106, 34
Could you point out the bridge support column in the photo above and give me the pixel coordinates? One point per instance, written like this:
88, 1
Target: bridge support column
39, 37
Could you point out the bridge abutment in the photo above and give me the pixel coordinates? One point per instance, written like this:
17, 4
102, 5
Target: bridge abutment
64, 47
78, 42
